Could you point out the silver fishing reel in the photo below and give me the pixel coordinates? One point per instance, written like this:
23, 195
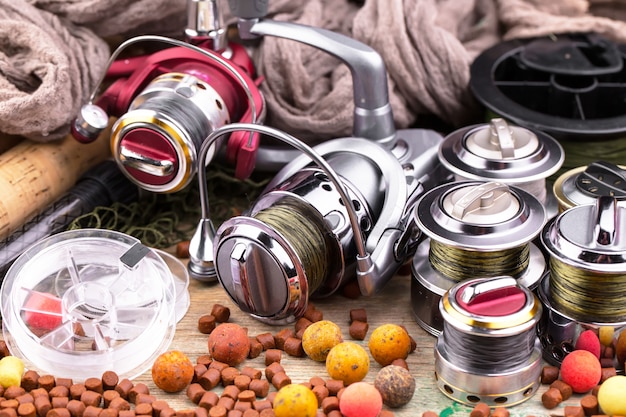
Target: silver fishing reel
340, 211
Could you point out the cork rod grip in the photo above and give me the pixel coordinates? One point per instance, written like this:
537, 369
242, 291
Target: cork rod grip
33, 175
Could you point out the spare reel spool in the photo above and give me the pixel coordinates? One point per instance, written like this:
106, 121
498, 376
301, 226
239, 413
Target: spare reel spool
584, 185
571, 86
474, 229
498, 151
488, 350
585, 287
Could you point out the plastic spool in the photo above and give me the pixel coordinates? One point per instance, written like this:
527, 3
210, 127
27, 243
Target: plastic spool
571, 86
488, 350
584, 185
585, 286
478, 220
497, 151
85, 301
181, 283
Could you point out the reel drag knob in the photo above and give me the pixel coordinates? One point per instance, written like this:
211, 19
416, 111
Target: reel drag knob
583, 185
90, 123
488, 351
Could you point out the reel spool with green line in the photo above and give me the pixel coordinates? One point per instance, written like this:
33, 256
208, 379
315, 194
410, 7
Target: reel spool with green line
571, 86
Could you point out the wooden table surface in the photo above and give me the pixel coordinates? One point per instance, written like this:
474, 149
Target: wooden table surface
392, 305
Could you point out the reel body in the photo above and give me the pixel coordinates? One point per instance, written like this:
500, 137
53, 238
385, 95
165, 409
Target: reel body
296, 241
167, 105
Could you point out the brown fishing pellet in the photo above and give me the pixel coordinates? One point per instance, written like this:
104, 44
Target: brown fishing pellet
218, 411
198, 370
94, 384
307, 384
242, 382
220, 366
293, 347
266, 340
59, 391
145, 399
316, 380
271, 396
76, 408
231, 391
351, 290
566, 390
158, 406
429, 414
606, 373
12, 403
186, 412
46, 382
220, 312
500, 412
228, 375
281, 336
273, 356
91, 411
251, 413
256, 348
261, 387
549, 374
8, 412
25, 398
401, 363
63, 382
358, 314
119, 404
301, 324
386, 413
201, 412
551, 398
168, 412
358, 330
313, 314
268, 412
39, 392
76, 391
143, 409
329, 404
573, 411
30, 380
182, 249
43, 405
606, 362
246, 395
91, 398
251, 372
108, 396
194, 392
334, 386
589, 403
13, 392
109, 412
209, 399
59, 402
260, 405
336, 413
60, 412
123, 387
280, 380
242, 406
139, 388
226, 402
210, 379
27, 410
109, 380
126, 413
480, 410
204, 360
321, 392
272, 369
206, 323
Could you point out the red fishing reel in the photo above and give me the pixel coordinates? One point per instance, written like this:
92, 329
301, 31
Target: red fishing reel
167, 103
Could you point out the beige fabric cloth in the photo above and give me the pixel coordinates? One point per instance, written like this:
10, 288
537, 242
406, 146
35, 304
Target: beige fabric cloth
52, 53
